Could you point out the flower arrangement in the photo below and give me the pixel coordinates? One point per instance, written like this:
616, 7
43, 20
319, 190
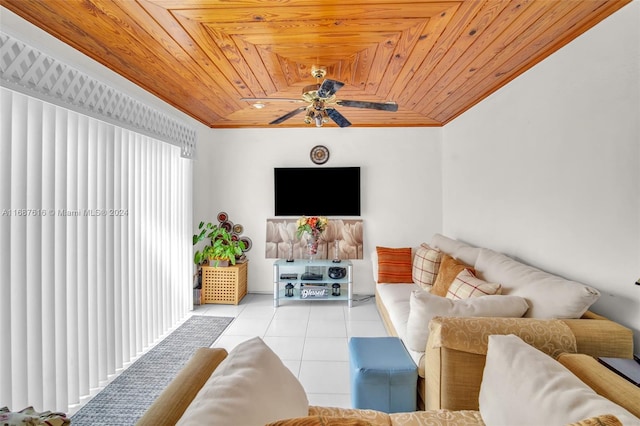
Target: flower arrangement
313, 225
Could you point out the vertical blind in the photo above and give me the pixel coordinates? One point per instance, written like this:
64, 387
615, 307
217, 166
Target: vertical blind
95, 250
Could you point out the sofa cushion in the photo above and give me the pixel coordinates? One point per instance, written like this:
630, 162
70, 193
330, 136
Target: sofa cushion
426, 263
467, 285
523, 386
455, 248
250, 387
394, 265
424, 306
550, 296
395, 301
448, 271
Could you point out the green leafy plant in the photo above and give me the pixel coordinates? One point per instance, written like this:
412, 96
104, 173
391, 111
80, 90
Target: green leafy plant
220, 246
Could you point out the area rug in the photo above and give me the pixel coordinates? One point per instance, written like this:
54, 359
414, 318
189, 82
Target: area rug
127, 397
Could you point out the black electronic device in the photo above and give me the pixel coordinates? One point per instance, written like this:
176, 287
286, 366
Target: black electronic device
336, 272
288, 276
338, 194
310, 276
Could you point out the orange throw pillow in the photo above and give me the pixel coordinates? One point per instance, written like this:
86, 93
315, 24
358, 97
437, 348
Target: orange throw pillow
394, 265
448, 271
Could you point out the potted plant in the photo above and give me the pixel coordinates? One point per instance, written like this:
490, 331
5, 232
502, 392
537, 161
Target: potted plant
221, 248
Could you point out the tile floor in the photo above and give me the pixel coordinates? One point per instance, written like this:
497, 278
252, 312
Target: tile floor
310, 337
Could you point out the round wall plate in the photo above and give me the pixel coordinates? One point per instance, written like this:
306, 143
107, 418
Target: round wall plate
319, 154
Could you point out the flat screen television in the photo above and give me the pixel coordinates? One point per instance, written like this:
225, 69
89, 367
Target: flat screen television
317, 191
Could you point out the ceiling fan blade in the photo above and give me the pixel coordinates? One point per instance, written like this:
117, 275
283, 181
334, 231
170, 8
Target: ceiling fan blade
337, 117
382, 106
329, 88
271, 100
288, 115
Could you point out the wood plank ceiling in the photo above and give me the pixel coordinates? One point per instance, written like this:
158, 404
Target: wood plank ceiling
436, 59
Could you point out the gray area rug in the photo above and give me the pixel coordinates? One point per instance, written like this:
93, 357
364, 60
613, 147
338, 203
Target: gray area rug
127, 397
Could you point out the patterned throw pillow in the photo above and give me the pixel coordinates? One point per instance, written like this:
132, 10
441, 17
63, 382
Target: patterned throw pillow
426, 263
448, 271
394, 265
467, 285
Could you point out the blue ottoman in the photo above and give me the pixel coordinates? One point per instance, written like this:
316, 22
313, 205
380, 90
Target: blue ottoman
383, 375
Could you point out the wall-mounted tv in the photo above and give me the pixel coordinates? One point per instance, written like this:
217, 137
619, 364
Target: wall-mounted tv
317, 191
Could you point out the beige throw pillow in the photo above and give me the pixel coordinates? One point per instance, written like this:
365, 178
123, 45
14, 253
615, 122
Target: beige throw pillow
426, 263
550, 296
448, 271
523, 386
250, 387
424, 306
466, 285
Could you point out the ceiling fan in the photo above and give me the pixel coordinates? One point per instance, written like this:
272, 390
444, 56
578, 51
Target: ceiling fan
321, 99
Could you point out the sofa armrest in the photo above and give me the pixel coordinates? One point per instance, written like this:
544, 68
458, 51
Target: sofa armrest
457, 347
176, 397
604, 381
372, 417
598, 336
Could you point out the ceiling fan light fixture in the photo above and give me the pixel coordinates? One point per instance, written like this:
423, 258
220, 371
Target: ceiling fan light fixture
309, 116
321, 99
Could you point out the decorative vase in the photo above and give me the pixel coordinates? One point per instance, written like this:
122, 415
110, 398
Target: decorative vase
312, 247
290, 255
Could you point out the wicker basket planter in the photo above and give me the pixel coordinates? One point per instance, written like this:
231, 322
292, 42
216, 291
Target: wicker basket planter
224, 285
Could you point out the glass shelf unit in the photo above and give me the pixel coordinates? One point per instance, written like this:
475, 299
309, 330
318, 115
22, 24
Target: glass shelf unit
282, 268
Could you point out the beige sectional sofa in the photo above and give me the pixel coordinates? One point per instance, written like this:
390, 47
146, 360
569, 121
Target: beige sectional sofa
450, 365
250, 386
534, 368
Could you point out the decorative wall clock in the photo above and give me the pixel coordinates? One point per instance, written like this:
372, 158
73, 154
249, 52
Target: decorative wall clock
319, 154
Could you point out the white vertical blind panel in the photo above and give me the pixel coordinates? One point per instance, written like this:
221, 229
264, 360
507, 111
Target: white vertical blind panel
61, 397
131, 270
6, 129
101, 259
72, 259
45, 250
137, 247
18, 251
47, 254
82, 263
99, 249
143, 222
92, 257
187, 230
115, 249
147, 239
167, 299
33, 254
152, 230
108, 218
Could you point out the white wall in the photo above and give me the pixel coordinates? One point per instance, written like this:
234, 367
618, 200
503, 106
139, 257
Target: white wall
546, 169
400, 173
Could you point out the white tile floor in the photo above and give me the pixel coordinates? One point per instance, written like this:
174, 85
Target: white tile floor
310, 337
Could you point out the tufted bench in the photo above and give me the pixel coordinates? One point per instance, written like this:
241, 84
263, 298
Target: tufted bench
383, 375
